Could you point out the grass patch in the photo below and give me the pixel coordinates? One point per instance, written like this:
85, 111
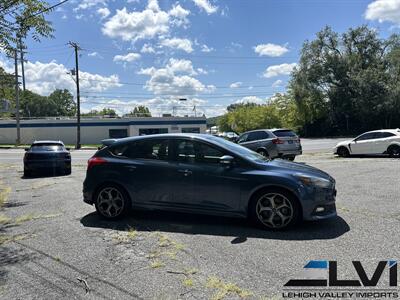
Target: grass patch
132, 233
4, 239
30, 217
4, 193
188, 282
4, 220
157, 264
224, 289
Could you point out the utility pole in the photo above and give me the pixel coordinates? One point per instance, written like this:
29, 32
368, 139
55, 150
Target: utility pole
22, 63
78, 97
18, 141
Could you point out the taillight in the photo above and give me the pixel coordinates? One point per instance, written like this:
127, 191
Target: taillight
277, 141
95, 161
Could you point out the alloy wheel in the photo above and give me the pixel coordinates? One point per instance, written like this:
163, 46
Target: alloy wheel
110, 202
274, 210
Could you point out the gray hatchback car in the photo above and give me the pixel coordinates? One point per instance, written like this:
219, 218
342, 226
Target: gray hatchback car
272, 143
208, 175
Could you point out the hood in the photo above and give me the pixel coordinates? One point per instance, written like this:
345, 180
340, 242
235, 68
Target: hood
293, 167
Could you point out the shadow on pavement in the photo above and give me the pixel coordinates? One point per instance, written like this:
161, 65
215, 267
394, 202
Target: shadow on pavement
238, 229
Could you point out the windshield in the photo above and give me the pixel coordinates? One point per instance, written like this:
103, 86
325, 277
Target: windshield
47, 147
242, 151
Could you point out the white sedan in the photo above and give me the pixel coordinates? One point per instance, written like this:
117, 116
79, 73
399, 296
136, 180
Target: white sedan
386, 141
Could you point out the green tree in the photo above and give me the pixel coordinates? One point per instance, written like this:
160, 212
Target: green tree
140, 111
64, 102
23, 18
104, 112
347, 83
35, 105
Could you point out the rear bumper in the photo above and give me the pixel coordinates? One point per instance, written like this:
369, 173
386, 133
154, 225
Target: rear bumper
285, 153
46, 164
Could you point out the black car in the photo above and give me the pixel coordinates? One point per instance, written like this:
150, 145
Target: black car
205, 174
47, 156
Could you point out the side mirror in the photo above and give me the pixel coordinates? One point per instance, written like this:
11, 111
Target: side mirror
226, 160
68, 149
26, 149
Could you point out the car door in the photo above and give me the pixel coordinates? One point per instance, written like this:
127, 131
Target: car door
148, 170
251, 141
205, 183
363, 144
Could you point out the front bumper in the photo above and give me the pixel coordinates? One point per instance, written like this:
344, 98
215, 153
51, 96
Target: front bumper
321, 206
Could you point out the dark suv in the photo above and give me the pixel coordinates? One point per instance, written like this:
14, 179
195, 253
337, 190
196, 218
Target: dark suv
272, 143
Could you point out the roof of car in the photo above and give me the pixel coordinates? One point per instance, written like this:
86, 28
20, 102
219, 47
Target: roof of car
396, 131
162, 135
47, 142
269, 129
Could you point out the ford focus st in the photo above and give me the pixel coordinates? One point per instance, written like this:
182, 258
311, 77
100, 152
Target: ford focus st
208, 175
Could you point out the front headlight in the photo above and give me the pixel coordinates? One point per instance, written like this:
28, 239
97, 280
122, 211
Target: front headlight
314, 181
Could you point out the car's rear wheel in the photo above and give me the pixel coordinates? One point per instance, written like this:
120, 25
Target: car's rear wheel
27, 173
274, 209
394, 151
67, 170
291, 158
112, 202
263, 153
343, 152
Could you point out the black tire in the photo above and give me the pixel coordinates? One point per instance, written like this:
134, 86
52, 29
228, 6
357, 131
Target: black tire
394, 151
27, 173
281, 195
115, 214
343, 152
263, 153
291, 158
67, 171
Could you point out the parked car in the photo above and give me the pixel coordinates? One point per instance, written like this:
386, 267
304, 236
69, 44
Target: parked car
205, 174
50, 156
272, 143
230, 136
385, 141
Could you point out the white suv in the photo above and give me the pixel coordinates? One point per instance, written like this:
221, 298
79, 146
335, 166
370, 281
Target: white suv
385, 141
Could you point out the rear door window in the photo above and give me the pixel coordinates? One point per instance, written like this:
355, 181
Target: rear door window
155, 149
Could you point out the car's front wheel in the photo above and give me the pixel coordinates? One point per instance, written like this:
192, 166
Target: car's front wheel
112, 202
343, 152
394, 151
274, 209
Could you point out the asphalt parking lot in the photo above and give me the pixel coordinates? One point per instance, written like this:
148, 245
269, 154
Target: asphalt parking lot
53, 246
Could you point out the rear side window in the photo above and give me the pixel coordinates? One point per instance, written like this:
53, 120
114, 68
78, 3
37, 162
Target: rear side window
157, 149
47, 147
383, 135
284, 133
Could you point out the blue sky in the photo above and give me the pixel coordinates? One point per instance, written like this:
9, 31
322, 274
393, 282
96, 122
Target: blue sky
211, 52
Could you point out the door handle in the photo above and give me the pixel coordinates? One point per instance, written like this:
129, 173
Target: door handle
185, 172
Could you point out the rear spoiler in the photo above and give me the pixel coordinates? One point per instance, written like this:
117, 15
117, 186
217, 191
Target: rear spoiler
107, 142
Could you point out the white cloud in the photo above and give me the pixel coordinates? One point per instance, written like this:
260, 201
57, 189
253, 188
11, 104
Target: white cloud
95, 54
277, 83
179, 15
86, 4
147, 49
270, 50
206, 6
176, 78
176, 43
251, 99
201, 71
235, 85
130, 57
132, 26
104, 12
384, 10
283, 69
206, 49
44, 78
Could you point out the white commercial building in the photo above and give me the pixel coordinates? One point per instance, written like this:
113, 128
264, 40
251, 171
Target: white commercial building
94, 130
